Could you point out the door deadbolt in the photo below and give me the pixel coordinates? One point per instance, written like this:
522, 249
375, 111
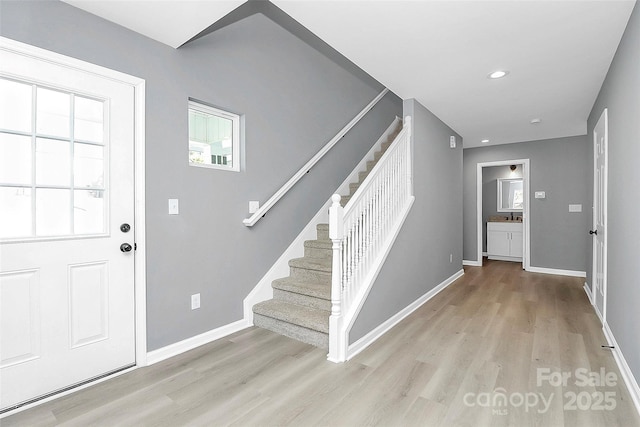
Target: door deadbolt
125, 228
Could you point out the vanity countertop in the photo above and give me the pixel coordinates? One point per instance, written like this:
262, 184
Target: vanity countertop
497, 218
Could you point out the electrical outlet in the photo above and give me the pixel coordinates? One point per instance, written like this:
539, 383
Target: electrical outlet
195, 301
452, 141
254, 205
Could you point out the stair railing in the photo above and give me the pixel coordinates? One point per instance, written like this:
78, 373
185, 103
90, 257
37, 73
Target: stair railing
362, 233
249, 222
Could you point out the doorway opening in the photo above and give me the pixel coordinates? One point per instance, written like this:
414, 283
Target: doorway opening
518, 248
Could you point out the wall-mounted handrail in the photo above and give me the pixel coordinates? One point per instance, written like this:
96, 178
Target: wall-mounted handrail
249, 222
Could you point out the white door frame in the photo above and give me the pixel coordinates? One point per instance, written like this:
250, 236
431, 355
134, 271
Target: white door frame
526, 261
138, 86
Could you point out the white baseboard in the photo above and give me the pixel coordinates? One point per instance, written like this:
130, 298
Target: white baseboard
627, 375
471, 263
588, 292
593, 302
180, 347
372, 336
598, 313
558, 272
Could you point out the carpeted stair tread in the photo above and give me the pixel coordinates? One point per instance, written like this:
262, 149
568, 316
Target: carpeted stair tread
318, 244
318, 248
322, 231
304, 287
314, 264
310, 318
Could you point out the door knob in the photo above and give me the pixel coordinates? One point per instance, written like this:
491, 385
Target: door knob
125, 247
593, 232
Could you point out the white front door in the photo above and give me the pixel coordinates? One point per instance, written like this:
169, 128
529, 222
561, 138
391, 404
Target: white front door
66, 188
599, 232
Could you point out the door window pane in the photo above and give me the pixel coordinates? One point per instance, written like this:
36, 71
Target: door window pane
88, 211
15, 159
53, 162
88, 165
52, 212
53, 111
87, 125
15, 106
15, 212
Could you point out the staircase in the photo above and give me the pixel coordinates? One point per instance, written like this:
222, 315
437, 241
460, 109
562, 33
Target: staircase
301, 303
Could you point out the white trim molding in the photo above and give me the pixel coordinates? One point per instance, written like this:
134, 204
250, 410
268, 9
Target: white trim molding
557, 272
471, 263
180, 347
372, 336
629, 380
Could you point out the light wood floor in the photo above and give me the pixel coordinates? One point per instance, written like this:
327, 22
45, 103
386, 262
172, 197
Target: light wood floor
488, 333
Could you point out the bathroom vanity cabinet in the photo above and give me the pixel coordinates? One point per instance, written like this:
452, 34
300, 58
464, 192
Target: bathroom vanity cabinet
504, 240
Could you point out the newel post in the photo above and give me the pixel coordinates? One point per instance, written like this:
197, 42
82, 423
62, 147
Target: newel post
337, 342
408, 124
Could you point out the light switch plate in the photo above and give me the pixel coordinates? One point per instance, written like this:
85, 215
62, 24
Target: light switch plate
174, 208
195, 301
575, 208
452, 141
540, 195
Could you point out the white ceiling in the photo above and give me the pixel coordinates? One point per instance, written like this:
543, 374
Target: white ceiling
440, 52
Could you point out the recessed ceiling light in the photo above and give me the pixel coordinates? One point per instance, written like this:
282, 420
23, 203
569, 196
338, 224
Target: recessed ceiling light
498, 74
536, 121
484, 141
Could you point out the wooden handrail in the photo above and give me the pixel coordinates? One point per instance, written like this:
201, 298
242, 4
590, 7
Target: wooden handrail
249, 222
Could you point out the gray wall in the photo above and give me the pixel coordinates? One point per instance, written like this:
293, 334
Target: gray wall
490, 177
419, 260
294, 100
620, 94
559, 239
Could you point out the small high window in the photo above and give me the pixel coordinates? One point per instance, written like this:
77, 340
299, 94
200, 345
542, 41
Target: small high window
214, 137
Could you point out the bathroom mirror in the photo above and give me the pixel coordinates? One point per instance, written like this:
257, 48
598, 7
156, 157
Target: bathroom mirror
510, 195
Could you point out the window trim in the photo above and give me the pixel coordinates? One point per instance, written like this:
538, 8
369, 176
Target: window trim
235, 139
